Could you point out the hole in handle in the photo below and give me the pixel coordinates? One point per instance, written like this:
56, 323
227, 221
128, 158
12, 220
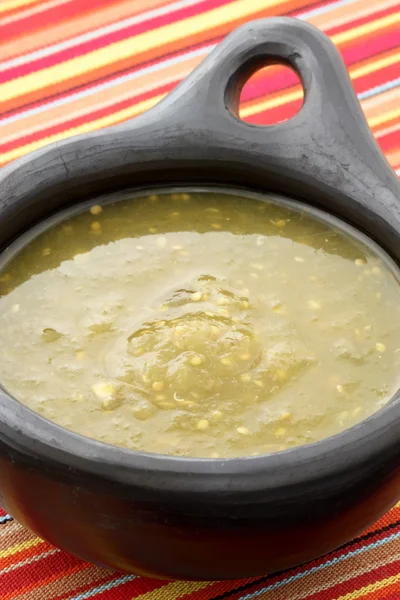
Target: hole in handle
265, 90
271, 95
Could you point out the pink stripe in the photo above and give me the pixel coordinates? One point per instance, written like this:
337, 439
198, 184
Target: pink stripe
375, 43
108, 39
389, 141
350, 55
35, 17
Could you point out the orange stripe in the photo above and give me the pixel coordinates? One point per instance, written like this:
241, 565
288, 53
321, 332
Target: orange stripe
15, 533
13, 6
145, 46
71, 584
103, 98
376, 110
115, 118
383, 104
118, 92
345, 14
315, 581
17, 555
45, 581
133, 51
4, 554
73, 28
394, 158
295, 93
388, 124
389, 130
370, 591
128, 113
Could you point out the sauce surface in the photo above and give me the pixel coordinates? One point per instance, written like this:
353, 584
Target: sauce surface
203, 323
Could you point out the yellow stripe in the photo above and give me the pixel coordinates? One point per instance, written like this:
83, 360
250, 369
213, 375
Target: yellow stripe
247, 110
384, 118
132, 111
20, 547
112, 119
131, 46
356, 72
382, 63
12, 4
270, 103
373, 587
387, 131
176, 590
366, 29
156, 38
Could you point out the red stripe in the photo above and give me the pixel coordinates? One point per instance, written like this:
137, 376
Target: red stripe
108, 39
269, 81
45, 18
10, 12
107, 79
29, 575
392, 594
378, 43
389, 141
350, 55
356, 583
273, 115
105, 40
365, 19
49, 17
215, 588
70, 123
330, 593
376, 78
281, 79
287, 110
81, 589
24, 554
131, 589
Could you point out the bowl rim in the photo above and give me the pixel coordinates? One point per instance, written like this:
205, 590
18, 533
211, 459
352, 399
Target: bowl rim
41, 443
37, 438
326, 155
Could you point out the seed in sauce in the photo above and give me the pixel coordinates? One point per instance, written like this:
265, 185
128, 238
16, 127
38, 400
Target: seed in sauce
95, 210
260, 335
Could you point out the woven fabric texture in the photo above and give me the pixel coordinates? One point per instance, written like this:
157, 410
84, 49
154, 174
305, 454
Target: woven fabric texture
73, 66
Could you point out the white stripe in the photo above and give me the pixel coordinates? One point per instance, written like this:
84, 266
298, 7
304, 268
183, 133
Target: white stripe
397, 171
323, 9
388, 130
28, 12
29, 561
384, 87
44, 52
102, 86
87, 37
366, 94
141, 72
154, 68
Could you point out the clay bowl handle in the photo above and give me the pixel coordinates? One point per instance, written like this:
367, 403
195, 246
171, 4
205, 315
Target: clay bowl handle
325, 155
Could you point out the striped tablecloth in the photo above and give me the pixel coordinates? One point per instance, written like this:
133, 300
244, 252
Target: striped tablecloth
72, 66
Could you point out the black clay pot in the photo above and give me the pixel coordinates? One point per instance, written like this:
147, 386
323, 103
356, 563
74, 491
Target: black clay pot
199, 518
